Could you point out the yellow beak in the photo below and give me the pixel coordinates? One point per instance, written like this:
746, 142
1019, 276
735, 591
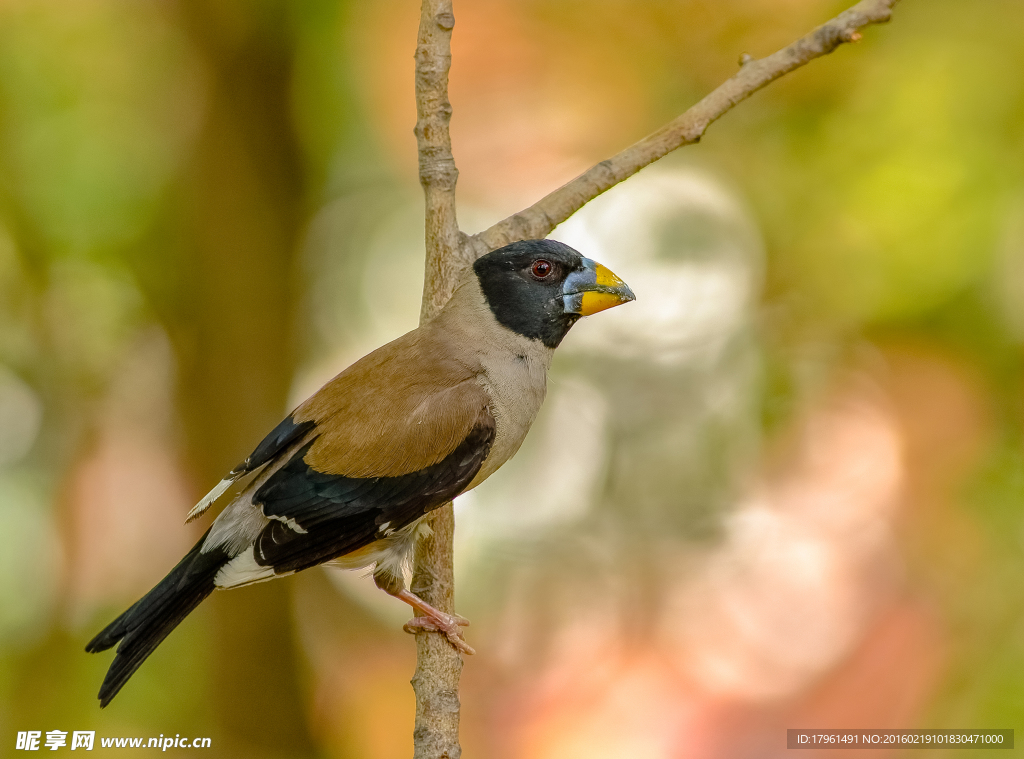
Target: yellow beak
594, 288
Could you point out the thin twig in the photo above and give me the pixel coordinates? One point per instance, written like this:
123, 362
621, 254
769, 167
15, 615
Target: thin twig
543, 216
438, 665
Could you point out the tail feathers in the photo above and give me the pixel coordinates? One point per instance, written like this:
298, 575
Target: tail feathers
145, 625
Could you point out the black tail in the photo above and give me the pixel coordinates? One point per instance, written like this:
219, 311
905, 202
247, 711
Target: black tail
144, 626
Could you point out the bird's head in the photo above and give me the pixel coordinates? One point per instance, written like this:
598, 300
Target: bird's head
540, 288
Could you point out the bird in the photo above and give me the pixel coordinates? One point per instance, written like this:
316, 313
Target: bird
350, 477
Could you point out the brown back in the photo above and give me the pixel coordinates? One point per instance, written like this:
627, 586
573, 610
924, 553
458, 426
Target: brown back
403, 407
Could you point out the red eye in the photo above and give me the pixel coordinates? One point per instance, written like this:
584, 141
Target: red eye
541, 268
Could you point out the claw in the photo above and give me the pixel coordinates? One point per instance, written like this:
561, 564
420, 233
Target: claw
448, 625
435, 620
420, 624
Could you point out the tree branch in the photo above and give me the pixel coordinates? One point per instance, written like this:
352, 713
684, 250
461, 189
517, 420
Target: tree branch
543, 216
449, 250
438, 174
438, 664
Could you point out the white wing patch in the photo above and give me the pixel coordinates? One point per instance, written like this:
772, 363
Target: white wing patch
243, 570
291, 523
200, 508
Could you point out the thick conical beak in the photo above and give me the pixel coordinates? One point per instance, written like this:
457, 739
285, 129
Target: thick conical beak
593, 288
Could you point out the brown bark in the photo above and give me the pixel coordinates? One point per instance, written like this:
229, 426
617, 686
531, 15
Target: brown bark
438, 174
436, 682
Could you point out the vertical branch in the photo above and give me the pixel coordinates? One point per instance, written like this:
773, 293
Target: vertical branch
438, 665
438, 174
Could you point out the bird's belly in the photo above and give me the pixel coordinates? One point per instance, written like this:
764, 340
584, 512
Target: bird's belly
362, 557
391, 554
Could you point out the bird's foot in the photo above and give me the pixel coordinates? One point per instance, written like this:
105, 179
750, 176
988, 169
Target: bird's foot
435, 620
448, 624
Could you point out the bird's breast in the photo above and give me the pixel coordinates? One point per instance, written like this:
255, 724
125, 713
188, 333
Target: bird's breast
516, 389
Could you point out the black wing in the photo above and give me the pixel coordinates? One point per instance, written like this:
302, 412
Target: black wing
317, 517
283, 435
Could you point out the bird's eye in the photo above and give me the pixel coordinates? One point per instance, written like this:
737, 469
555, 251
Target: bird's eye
541, 268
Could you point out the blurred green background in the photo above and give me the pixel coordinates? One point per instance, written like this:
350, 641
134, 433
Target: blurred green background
793, 491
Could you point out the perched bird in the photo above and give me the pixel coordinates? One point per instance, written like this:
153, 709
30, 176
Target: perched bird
348, 477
